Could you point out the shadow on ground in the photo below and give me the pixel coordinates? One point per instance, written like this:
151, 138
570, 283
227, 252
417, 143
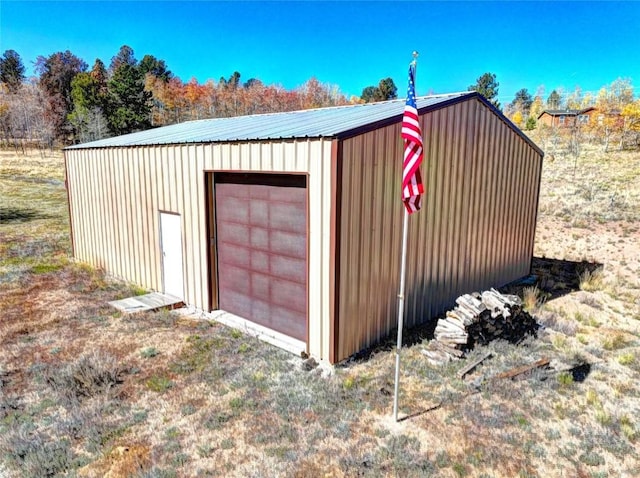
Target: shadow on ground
553, 277
10, 215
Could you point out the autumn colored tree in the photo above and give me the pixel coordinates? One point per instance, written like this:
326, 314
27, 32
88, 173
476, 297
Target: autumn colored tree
631, 126
158, 88
537, 107
156, 81
23, 119
518, 109
100, 75
56, 72
89, 94
228, 96
610, 102
314, 94
615, 96
487, 86
517, 118
575, 99
194, 94
129, 96
11, 70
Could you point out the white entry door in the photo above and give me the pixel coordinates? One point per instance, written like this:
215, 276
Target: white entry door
171, 247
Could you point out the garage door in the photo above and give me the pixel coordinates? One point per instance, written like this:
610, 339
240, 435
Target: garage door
261, 237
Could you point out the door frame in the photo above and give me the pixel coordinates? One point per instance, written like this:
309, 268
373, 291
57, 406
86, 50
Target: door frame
212, 250
177, 216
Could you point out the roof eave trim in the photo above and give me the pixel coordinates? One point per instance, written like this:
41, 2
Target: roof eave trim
443, 104
79, 147
396, 118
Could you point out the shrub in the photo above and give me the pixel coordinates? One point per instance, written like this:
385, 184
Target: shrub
565, 378
149, 352
626, 359
591, 280
531, 298
627, 428
92, 374
35, 455
615, 341
530, 124
592, 459
159, 383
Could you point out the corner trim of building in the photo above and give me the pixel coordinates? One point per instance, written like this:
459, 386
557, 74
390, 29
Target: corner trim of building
334, 259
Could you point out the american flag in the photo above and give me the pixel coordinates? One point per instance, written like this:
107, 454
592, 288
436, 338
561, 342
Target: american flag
412, 187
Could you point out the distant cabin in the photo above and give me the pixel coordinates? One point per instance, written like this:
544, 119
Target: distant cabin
289, 224
567, 118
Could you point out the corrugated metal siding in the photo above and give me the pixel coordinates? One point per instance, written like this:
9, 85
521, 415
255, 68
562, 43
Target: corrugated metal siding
116, 195
475, 230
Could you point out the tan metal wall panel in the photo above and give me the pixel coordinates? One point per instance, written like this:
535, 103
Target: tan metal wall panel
187, 190
305, 156
116, 195
475, 229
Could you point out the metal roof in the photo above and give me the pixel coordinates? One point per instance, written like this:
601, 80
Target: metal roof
567, 112
330, 122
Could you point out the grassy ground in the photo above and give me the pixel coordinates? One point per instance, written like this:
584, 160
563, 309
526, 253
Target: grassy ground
85, 391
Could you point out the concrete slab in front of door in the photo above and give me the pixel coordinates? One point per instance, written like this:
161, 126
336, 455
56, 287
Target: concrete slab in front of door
143, 303
272, 337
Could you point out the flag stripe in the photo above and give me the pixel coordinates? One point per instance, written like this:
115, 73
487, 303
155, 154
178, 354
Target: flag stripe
412, 186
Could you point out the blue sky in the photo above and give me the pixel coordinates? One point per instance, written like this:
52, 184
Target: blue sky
349, 44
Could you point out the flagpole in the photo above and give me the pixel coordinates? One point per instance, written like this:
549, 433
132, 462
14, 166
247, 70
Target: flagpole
403, 265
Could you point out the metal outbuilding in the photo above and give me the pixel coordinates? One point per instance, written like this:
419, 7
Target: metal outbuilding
290, 223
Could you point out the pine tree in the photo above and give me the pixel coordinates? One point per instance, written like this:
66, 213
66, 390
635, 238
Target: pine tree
386, 90
530, 124
150, 65
369, 94
125, 56
487, 86
523, 101
11, 70
554, 100
128, 105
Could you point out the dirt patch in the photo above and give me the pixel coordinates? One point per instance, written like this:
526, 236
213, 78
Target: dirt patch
122, 461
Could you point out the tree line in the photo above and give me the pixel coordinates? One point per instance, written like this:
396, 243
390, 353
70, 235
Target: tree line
616, 120
66, 102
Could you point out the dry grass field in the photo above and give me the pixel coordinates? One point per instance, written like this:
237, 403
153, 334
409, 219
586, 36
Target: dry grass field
88, 392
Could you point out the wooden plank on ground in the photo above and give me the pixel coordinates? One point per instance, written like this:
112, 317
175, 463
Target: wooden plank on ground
523, 369
473, 365
146, 302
